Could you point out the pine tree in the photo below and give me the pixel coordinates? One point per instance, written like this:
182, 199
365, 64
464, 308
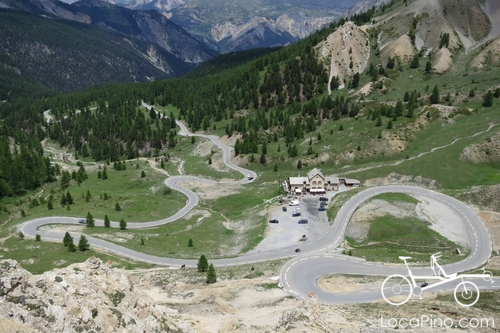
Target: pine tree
202, 264
434, 98
488, 99
71, 247
63, 200
143, 174
428, 67
123, 224
299, 164
50, 205
117, 207
262, 159
105, 173
275, 167
190, 243
106, 221
69, 198
83, 244
90, 220
67, 239
211, 275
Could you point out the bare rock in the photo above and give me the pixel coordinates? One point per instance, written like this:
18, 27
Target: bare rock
91, 295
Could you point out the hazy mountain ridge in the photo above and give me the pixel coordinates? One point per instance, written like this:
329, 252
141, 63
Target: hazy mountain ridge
244, 24
135, 46
59, 53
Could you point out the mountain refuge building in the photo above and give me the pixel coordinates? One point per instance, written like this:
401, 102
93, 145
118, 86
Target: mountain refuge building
317, 183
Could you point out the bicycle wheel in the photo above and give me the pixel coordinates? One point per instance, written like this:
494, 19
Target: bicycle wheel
466, 293
398, 288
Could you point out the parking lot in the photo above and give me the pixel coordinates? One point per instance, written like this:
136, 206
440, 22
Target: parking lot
288, 232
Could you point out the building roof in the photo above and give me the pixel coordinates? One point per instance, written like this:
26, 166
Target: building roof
332, 180
351, 181
315, 172
298, 180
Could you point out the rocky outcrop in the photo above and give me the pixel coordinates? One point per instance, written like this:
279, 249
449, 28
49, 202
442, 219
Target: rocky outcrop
488, 56
346, 50
487, 151
91, 296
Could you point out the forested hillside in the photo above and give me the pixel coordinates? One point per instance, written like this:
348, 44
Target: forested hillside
277, 98
22, 165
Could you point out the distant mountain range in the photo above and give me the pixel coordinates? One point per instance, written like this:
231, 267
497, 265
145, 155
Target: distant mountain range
243, 24
119, 44
79, 44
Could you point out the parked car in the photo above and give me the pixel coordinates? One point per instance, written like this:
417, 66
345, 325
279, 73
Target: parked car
284, 209
297, 250
321, 209
323, 204
323, 199
303, 221
273, 221
249, 177
296, 214
296, 210
294, 203
82, 221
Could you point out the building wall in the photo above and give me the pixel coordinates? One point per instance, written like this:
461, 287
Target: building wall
317, 182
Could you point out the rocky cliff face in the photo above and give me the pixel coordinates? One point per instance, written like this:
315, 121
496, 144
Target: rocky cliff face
91, 296
346, 51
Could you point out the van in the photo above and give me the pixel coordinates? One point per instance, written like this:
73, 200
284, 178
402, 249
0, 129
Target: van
294, 203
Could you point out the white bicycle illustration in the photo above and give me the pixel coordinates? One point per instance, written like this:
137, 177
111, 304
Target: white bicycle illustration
466, 293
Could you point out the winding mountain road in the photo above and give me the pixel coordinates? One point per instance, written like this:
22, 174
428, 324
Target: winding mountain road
299, 275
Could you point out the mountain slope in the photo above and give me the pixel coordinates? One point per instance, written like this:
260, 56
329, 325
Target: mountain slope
150, 26
68, 56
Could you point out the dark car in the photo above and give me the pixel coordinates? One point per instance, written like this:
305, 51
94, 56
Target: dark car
303, 221
82, 221
284, 209
296, 214
321, 209
323, 199
273, 221
323, 204
297, 250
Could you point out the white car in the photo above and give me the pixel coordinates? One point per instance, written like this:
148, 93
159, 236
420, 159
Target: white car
293, 203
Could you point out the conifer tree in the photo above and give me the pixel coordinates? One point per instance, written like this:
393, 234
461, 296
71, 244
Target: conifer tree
69, 198
83, 244
90, 220
105, 173
202, 264
67, 239
123, 224
71, 247
107, 223
211, 275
